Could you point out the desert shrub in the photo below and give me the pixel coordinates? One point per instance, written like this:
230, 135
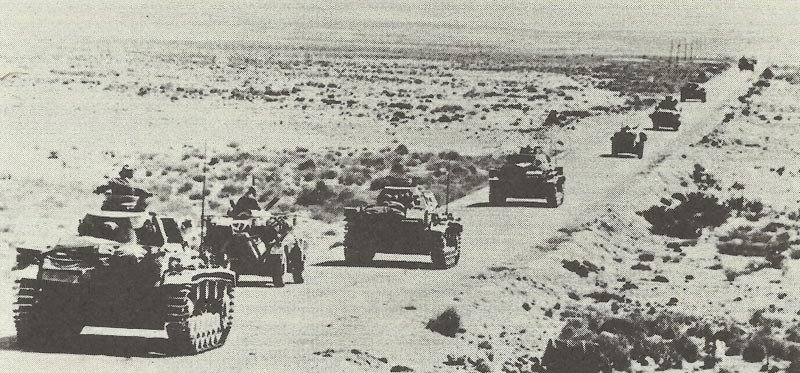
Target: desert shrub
687, 348
751, 210
447, 323
748, 241
793, 333
185, 188
693, 212
315, 196
582, 269
754, 351
231, 190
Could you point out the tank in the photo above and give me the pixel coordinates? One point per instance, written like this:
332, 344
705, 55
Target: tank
624, 142
258, 243
693, 91
404, 220
521, 177
663, 118
124, 269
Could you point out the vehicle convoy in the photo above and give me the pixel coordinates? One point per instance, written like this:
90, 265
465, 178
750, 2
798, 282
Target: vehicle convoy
257, 243
404, 220
626, 142
693, 91
126, 268
666, 114
527, 174
747, 64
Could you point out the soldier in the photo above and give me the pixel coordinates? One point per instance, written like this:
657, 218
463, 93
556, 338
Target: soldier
122, 185
541, 161
627, 135
669, 103
247, 203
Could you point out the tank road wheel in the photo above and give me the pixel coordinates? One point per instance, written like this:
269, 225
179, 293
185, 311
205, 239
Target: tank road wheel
445, 253
45, 317
199, 316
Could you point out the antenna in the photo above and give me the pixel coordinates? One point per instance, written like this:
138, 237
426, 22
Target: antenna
447, 191
203, 194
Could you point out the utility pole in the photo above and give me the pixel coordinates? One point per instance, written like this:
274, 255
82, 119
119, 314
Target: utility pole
685, 54
671, 49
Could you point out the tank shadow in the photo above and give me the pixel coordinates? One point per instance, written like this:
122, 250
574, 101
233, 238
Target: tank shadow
257, 284
398, 264
660, 129
536, 204
90, 344
618, 156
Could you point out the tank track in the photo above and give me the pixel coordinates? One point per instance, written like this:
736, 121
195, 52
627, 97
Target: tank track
43, 318
199, 316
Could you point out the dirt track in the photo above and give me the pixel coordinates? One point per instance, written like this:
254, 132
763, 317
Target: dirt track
345, 308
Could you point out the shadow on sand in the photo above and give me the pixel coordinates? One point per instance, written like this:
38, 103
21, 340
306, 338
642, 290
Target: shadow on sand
398, 264
618, 156
90, 344
259, 283
537, 204
661, 129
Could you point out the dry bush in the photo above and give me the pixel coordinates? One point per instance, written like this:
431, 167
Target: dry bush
447, 323
686, 215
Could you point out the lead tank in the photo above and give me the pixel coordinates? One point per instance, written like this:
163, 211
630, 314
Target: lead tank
126, 268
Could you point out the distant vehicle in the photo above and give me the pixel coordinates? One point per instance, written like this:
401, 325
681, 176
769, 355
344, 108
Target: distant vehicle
125, 269
693, 91
747, 64
522, 176
258, 243
404, 220
666, 118
626, 142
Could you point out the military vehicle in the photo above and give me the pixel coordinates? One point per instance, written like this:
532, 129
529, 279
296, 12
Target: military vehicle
693, 91
404, 220
258, 243
626, 142
524, 175
666, 114
126, 268
747, 64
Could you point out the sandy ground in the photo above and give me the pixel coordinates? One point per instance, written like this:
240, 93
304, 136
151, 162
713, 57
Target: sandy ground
361, 315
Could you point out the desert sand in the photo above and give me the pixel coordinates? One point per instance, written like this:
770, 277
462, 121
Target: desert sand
342, 108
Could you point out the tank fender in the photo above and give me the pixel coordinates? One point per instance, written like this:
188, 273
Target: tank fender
194, 276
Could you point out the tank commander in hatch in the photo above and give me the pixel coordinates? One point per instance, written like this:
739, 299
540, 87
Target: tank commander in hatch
121, 185
541, 160
246, 204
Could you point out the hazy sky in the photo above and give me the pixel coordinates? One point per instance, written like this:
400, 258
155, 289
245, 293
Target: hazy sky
510, 23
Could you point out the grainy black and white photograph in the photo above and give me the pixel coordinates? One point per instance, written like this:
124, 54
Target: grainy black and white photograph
400, 186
